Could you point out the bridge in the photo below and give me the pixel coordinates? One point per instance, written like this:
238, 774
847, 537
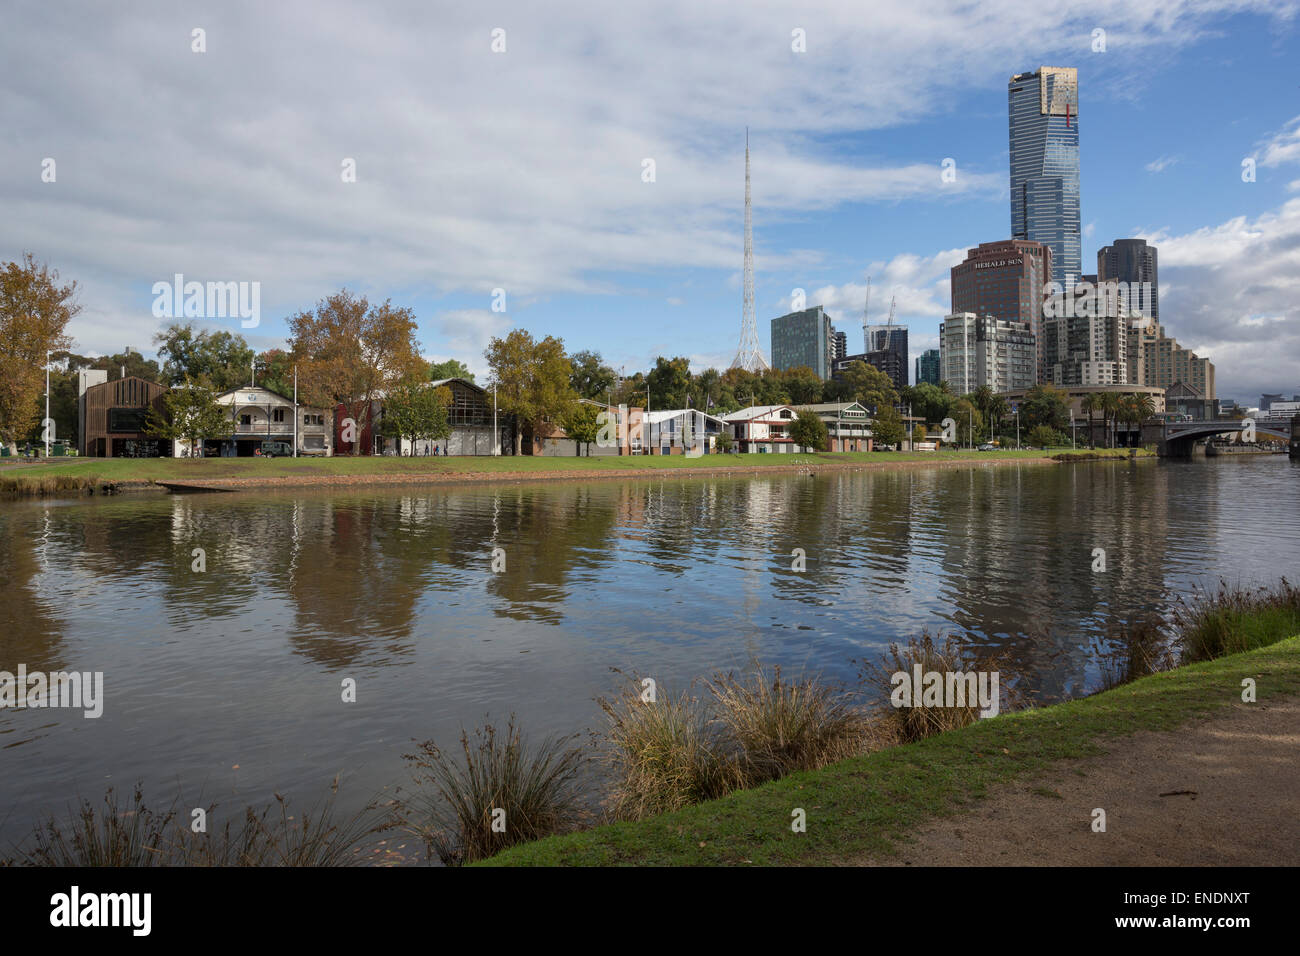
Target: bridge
1177, 439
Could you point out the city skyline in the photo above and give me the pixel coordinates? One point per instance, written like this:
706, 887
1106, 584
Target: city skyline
456, 196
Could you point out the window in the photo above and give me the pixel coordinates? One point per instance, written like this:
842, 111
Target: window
277, 415
245, 419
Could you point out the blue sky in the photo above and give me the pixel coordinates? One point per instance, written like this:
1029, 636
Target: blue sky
521, 169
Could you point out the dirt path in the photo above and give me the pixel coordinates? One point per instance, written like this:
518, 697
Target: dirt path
1243, 766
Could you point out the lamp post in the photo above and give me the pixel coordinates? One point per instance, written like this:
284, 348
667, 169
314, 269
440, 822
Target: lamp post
970, 429
295, 411
1017, 429
45, 425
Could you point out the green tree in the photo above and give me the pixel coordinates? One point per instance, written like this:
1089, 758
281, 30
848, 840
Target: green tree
1042, 436
803, 385
582, 424
221, 358
532, 379
190, 414
918, 434
1045, 405
591, 377
810, 431
725, 441
869, 386
416, 411
669, 382
930, 402
34, 312
969, 421
350, 352
452, 368
887, 428
275, 371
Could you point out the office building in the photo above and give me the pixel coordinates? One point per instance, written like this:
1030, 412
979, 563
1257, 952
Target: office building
805, 339
927, 367
889, 361
1133, 262
1166, 363
1007, 280
984, 350
1043, 114
839, 346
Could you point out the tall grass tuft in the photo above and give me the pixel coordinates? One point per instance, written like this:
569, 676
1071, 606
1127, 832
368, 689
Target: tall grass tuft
665, 754
115, 835
136, 836
912, 723
453, 809
780, 726
1139, 649
1236, 619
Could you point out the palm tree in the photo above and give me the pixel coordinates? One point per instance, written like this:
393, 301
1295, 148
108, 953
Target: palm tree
1109, 410
1091, 403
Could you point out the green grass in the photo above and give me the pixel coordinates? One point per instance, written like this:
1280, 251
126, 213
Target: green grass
80, 474
866, 805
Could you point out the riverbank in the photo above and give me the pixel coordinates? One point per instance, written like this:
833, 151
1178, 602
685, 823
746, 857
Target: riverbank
116, 475
870, 809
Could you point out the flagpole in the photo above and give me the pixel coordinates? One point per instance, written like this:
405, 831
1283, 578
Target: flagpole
45, 425
295, 411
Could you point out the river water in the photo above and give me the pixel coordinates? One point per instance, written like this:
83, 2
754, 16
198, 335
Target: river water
226, 684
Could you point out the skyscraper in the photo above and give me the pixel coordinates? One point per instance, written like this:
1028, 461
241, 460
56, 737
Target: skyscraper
927, 367
1133, 262
805, 339
1043, 109
1005, 280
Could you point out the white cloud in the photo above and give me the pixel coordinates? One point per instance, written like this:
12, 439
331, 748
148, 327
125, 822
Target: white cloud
466, 333
474, 169
1282, 147
1161, 164
1232, 293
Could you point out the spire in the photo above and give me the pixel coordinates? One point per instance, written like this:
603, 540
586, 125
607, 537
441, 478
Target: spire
750, 354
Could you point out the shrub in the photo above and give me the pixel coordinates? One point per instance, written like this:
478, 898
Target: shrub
460, 800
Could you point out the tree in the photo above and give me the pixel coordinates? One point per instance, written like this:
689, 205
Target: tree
810, 431
591, 377
1045, 405
582, 424
221, 358
929, 401
416, 411
869, 386
349, 352
803, 385
34, 312
1042, 436
1091, 403
725, 441
275, 371
532, 379
452, 368
969, 421
191, 414
669, 382
918, 435
1110, 406
888, 428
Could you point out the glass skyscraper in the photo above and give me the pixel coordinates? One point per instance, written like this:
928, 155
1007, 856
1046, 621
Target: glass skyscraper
1043, 109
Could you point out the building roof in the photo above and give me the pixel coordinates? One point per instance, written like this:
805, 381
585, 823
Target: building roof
755, 412
823, 408
657, 416
464, 381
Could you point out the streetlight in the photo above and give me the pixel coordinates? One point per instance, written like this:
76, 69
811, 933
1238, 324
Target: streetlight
45, 425
1017, 411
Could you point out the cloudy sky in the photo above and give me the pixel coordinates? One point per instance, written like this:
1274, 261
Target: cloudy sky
522, 168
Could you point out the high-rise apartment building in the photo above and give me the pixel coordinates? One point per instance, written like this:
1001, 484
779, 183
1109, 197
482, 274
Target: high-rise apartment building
1086, 333
1166, 363
984, 350
839, 345
927, 367
887, 351
1133, 262
1043, 113
1006, 280
803, 338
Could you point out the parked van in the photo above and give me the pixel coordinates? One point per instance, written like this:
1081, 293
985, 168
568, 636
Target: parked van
277, 449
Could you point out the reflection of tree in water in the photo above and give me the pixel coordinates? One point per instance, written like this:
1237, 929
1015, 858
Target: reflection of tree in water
359, 568
550, 536
32, 633
1019, 553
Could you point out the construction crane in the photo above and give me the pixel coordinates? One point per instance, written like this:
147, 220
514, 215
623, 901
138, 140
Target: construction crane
866, 307
893, 301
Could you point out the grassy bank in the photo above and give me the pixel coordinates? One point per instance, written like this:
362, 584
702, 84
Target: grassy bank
865, 804
90, 475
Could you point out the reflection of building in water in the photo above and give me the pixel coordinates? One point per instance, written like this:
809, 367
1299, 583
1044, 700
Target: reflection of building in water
1020, 547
